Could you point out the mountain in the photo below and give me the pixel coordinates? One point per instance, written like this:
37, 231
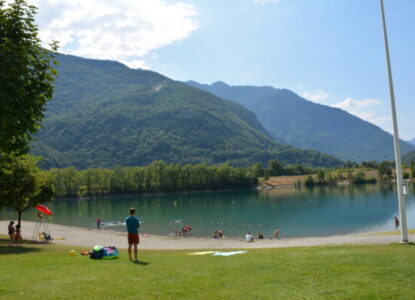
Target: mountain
105, 114
293, 120
408, 157
412, 142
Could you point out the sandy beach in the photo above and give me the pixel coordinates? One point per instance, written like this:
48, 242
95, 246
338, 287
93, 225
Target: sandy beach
78, 236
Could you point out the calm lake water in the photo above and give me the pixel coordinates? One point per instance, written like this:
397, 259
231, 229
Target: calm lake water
319, 211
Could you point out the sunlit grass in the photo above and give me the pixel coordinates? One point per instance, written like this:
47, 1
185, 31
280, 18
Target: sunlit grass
335, 272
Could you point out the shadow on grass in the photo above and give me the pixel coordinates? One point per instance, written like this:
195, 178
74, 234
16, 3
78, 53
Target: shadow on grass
7, 248
17, 250
140, 262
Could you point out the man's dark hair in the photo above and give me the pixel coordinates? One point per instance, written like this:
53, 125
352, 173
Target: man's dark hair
132, 210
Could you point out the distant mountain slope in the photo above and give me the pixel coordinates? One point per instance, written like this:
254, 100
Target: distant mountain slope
290, 119
105, 114
408, 157
412, 142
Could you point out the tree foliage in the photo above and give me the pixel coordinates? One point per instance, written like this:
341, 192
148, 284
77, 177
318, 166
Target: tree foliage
26, 76
105, 114
291, 119
385, 170
23, 184
158, 177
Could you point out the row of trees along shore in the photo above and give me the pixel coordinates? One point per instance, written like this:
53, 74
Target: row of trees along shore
160, 177
357, 174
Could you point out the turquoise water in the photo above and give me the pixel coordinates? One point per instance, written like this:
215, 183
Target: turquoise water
319, 211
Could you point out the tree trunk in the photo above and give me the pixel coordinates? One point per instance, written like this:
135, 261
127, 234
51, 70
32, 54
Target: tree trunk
19, 218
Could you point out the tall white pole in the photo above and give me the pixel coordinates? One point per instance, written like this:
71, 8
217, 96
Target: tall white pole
399, 178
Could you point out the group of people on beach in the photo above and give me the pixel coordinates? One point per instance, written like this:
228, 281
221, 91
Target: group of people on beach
250, 238
133, 224
15, 233
185, 231
219, 234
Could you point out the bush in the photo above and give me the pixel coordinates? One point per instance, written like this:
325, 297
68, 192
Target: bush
309, 181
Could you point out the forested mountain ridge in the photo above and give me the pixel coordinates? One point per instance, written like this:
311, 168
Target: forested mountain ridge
293, 120
408, 157
105, 114
412, 141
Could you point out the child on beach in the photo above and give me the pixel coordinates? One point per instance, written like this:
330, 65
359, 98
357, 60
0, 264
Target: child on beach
18, 236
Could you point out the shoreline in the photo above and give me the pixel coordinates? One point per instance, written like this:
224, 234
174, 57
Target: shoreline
85, 237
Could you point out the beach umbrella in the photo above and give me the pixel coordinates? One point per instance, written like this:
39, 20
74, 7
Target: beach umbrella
44, 209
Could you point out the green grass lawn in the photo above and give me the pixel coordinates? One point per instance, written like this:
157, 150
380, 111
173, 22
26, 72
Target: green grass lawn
333, 272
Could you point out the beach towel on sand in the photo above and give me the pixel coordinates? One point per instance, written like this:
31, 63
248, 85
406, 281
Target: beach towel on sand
202, 253
217, 253
228, 253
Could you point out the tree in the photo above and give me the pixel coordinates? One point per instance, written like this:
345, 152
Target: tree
309, 181
26, 76
24, 185
321, 176
384, 170
258, 170
276, 168
359, 178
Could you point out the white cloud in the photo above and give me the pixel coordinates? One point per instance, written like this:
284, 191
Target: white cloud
315, 96
368, 109
123, 30
265, 1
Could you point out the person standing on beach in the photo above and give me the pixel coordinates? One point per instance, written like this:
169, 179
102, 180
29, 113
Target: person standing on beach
396, 220
11, 231
133, 223
276, 232
99, 222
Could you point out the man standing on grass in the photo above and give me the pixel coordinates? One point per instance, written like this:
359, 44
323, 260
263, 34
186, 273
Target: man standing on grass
133, 223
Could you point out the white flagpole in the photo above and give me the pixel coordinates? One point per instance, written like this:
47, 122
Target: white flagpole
399, 178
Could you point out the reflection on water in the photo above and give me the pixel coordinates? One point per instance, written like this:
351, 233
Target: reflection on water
298, 212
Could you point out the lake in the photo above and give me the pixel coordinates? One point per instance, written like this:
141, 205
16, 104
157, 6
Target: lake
298, 212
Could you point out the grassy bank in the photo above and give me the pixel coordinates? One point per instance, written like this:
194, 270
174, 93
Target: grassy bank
336, 272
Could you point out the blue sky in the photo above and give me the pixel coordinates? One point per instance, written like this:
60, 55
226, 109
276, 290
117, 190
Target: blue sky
329, 51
